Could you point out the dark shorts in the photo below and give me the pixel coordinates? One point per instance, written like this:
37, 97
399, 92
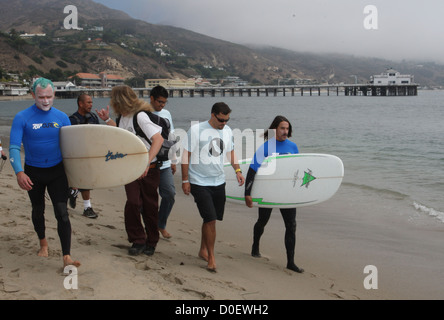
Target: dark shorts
210, 201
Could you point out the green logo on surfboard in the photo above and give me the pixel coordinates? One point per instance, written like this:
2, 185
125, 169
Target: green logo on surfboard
308, 177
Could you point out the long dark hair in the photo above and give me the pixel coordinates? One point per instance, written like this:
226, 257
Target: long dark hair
277, 120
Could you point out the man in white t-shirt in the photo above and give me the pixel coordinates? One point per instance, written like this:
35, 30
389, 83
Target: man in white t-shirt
167, 191
209, 144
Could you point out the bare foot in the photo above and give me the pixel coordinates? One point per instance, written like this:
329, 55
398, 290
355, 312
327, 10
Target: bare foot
44, 251
212, 270
165, 233
203, 255
211, 264
67, 261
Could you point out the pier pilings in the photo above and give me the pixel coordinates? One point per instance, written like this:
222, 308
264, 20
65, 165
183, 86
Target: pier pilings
249, 91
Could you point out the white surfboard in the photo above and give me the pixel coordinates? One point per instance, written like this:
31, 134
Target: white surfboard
288, 181
100, 156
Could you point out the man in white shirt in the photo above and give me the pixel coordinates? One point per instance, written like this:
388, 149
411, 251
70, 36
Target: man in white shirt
209, 143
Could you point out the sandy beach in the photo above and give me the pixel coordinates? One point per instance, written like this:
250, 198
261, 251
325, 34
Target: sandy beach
336, 240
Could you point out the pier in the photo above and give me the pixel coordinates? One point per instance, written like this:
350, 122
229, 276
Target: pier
258, 91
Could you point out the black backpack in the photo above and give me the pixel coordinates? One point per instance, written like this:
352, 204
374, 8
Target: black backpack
89, 118
168, 141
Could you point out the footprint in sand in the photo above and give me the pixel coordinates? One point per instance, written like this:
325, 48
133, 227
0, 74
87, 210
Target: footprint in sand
187, 231
172, 278
18, 250
8, 287
87, 242
180, 239
9, 224
14, 273
108, 226
333, 295
200, 294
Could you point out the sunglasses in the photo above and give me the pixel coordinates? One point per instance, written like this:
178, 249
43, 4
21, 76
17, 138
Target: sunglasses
162, 102
222, 120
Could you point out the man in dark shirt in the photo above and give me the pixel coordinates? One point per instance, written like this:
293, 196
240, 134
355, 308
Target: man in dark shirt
83, 116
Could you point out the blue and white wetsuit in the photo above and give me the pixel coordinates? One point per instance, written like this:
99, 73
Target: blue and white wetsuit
289, 215
39, 131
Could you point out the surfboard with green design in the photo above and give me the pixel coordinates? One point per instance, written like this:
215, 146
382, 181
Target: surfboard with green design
288, 181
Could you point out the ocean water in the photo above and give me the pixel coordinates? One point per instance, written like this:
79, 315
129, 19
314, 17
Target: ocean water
392, 147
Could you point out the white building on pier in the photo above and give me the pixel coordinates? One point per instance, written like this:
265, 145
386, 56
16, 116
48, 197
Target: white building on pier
391, 77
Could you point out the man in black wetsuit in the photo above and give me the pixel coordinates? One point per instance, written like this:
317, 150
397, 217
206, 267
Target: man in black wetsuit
83, 116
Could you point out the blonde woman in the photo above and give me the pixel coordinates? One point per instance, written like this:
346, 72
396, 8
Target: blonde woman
142, 196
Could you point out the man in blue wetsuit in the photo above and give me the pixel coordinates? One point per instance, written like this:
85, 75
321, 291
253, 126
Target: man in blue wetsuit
38, 128
279, 144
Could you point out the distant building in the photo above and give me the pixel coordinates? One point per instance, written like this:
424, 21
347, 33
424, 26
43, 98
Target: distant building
14, 76
63, 85
32, 35
234, 81
102, 80
111, 80
89, 80
169, 83
391, 77
13, 89
97, 29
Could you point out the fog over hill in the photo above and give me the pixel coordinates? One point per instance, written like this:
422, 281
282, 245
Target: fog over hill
114, 42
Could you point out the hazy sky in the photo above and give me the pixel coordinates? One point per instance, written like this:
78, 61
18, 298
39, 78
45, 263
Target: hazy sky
406, 29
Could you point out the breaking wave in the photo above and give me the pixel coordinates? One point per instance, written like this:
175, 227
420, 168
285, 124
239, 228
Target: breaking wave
430, 211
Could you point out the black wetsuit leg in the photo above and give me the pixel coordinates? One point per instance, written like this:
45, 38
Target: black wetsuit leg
289, 216
54, 179
37, 197
264, 216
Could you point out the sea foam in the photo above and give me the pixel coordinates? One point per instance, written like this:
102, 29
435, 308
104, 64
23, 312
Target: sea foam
430, 211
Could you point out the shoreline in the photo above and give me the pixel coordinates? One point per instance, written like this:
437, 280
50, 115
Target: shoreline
27, 97
336, 240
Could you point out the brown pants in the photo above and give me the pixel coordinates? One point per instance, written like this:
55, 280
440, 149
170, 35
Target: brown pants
142, 200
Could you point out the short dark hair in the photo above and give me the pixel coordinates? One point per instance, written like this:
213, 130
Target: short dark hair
220, 107
277, 120
81, 97
159, 91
